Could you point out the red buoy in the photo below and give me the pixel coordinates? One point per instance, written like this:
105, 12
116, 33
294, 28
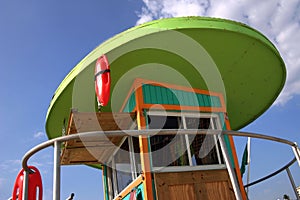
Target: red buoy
34, 185
102, 80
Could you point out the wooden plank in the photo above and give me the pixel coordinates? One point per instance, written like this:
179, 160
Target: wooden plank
200, 189
85, 122
90, 155
208, 184
162, 190
219, 190
181, 192
212, 175
189, 177
89, 151
98, 149
95, 141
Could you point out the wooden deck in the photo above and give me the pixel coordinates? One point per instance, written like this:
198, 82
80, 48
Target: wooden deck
95, 150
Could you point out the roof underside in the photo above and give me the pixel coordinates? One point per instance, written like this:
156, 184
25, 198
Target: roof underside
205, 53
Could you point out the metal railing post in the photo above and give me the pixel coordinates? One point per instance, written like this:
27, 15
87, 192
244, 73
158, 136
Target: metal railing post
292, 183
230, 169
25, 185
56, 171
297, 153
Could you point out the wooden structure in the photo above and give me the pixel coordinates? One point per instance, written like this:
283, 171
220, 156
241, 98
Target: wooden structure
172, 165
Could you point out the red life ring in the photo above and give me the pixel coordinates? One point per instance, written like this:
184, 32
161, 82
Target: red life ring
34, 185
102, 80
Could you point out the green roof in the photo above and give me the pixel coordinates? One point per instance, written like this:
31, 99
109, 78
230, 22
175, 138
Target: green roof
206, 53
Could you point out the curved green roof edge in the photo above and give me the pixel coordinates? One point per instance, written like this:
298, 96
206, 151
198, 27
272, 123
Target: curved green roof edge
162, 25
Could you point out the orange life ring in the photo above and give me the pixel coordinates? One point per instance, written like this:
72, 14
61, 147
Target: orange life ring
102, 80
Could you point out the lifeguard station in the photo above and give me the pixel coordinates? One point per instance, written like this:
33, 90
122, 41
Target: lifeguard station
178, 89
179, 163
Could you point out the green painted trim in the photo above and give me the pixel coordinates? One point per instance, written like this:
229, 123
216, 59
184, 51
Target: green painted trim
226, 139
105, 182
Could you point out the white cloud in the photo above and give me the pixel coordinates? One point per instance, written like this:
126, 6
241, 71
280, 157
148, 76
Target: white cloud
145, 16
39, 134
279, 20
11, 166
155, 9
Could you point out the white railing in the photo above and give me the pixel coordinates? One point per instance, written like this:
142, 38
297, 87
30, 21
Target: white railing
56, 142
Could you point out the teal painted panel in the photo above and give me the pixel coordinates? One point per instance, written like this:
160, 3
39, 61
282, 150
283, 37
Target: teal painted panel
199, 99
215, 101
206, 101
162, 95
139, 189
146, 93
105, 183
153, 95
226, 139
130, 104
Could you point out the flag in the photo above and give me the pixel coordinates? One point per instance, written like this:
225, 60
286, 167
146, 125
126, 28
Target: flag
244, 160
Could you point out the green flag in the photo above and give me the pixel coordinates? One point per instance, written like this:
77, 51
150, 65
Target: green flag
244, 160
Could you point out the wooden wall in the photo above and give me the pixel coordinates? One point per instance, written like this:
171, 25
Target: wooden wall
194, 185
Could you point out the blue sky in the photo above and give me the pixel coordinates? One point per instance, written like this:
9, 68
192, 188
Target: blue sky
40, 42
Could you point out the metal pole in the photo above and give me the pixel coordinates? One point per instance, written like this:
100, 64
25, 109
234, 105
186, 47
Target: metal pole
25, 185
132, 158
292, 182
248, 162
297, 153
230, 169
56, 171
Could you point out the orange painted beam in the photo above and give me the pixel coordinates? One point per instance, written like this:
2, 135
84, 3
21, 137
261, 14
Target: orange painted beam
235, 160
131, 90
143, 141
187, 108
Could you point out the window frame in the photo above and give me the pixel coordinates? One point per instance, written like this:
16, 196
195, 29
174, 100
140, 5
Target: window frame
216, 125
133, 163
214, 121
